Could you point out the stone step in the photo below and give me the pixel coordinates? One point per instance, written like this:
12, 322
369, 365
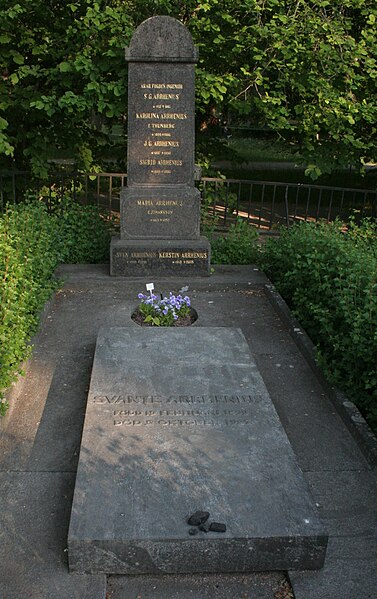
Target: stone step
179, 420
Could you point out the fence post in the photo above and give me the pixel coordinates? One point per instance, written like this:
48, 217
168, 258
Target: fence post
286, 206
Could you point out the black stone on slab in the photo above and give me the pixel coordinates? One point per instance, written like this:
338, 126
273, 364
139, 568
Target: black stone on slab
193, 531
204, 527
198, 518
159, 257
217, 527
177, 420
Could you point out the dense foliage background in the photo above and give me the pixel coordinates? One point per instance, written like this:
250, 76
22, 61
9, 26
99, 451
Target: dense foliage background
304, 68
32, 243
328, 276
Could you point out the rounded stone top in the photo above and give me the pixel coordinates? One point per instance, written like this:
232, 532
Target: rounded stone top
161, 39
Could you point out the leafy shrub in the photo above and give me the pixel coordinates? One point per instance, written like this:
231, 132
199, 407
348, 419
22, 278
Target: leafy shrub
32, 243
329, 278
82, 235
239, 246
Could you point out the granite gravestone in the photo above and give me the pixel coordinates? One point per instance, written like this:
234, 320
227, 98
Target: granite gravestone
160, 207
171, 429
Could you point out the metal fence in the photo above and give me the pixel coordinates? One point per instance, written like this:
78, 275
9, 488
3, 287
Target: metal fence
266, 204
263, 204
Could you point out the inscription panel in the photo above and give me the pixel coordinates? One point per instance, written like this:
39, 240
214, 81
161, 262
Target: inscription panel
135, 258
167, 411
161, 124
164, 213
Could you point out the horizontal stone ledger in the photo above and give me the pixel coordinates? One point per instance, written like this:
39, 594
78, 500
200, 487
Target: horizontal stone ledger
159, 257
179, 420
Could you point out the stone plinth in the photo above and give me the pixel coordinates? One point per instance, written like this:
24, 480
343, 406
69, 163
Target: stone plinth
168, 258
160, 213
180, 420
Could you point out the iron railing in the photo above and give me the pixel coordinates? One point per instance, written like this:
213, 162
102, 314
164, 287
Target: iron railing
263, 204
269, 203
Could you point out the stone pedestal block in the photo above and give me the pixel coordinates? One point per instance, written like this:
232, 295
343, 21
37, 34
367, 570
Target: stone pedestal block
159, 257
160, 212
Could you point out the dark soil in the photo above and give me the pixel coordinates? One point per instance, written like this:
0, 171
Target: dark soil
184, 321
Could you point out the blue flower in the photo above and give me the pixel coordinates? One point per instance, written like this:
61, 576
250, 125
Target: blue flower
167, 309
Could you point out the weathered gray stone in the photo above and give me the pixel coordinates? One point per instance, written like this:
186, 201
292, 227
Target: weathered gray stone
161, 39
159, 257
34, 519
212, 586
178, 420
349, 571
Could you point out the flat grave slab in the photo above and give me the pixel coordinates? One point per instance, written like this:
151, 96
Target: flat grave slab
179, 420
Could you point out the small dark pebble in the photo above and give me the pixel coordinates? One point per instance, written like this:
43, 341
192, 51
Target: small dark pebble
217, 527
204, 527
198, 518
193, 531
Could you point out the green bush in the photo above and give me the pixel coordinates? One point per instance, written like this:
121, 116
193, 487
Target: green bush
328, 275
32, 243
239, 246
82, 235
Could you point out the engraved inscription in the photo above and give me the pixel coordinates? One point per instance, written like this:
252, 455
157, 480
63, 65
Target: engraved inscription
174, 399
155, 156
157, 210
194, 410
162, 120
179, 258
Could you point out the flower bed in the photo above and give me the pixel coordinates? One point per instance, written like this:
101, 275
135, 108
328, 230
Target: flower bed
159, 311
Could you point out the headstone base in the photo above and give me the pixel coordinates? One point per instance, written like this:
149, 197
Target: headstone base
157, 212
159, 257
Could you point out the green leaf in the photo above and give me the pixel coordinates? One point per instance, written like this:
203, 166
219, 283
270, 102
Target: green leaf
38, 104
64, 67
14, 78
18, 58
